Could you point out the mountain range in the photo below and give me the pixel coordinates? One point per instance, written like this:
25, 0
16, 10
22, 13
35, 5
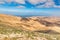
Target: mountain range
44, 24
29, 28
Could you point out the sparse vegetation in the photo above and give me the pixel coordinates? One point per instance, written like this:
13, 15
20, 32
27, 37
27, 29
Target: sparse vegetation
14, 30
9, 31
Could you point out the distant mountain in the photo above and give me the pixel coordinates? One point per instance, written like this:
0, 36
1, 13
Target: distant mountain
31, 3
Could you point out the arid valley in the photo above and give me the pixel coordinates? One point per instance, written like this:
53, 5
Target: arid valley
29, 28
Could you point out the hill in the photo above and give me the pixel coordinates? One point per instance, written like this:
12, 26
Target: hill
35, 28
31, 23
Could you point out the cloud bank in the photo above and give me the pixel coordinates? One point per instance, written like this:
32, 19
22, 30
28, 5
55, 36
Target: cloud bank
31, 3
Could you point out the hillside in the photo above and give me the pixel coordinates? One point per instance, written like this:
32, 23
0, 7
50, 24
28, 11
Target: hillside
31, 23
36, 28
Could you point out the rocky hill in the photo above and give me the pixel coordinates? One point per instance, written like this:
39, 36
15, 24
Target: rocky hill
29, 28
40, 24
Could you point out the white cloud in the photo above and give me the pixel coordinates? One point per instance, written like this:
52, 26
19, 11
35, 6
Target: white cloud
8, 0
20, 1
1, 1
21, 7
48, 4
36, 1
56, 6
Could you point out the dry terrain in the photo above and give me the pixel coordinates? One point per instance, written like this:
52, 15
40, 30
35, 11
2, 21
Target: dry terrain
29, 28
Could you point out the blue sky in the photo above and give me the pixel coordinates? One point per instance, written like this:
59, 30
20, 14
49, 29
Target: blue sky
33, 3
29, 9
57, 2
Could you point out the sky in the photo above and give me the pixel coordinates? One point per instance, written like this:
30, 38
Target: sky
30, 7
31, 3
